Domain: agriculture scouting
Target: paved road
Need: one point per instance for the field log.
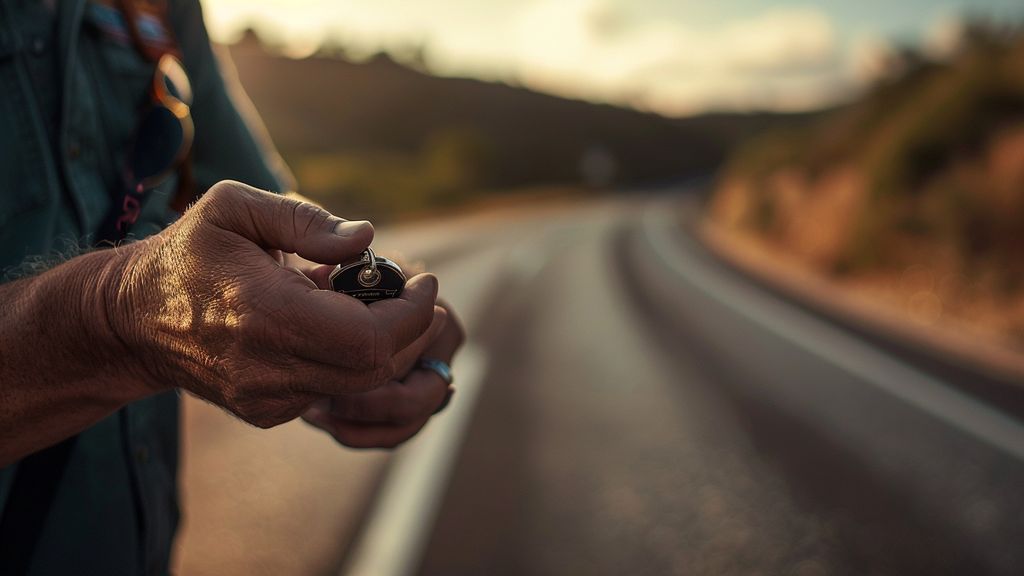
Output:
(626, 406)
(646, 412)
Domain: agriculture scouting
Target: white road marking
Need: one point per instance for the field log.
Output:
(394, 539)
(395, 536)
(836, 347)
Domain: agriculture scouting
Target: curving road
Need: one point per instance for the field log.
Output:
(629, 405)
(646, 411)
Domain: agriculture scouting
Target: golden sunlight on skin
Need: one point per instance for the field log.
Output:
(183, 314)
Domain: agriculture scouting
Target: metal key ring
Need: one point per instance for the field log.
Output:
(369, 276)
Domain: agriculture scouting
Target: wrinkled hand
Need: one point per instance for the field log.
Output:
(207, 307)
(395, 412)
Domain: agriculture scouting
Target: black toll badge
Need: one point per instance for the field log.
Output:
(370, 279)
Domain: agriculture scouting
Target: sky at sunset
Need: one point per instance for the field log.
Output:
(675, 57)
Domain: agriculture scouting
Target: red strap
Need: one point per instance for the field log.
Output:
(156, 9)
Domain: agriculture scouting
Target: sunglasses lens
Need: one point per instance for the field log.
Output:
(157, 145)
(175, 80)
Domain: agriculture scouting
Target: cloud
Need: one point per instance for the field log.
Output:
(586, 48)
(604, 50)
(569, 33)
(793, 39)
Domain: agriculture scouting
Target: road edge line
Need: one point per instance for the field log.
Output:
(870, 364)
(393, 541)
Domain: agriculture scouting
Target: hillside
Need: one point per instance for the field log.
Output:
(914, 194)
(379, 136)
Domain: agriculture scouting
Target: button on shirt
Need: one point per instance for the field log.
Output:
(72, 93)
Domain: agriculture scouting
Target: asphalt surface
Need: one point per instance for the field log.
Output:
(646, 411)
(627, 405)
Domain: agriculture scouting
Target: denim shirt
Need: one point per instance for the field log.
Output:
(70, 97)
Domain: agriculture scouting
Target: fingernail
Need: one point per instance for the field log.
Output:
(351, 228)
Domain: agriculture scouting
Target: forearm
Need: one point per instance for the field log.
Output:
(61, 366)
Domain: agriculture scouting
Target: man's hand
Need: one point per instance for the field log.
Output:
(206, 306)
(395, 412)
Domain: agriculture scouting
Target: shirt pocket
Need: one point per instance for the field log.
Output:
(25, 173)
(132, 72)
(123, 78)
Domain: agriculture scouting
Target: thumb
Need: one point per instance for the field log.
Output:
(274, 222)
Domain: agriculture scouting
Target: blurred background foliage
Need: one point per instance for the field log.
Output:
(925, 170)
(378, 138)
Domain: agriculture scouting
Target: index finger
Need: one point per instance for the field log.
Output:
(408, 317)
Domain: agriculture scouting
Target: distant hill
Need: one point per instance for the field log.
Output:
(379, 134)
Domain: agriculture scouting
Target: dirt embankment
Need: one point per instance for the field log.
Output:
(909, 200)
(815, 223)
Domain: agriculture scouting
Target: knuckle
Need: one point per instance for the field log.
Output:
(221, 201)
(222, 192)
(215, 193)
(308, 218)
(257, 395)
